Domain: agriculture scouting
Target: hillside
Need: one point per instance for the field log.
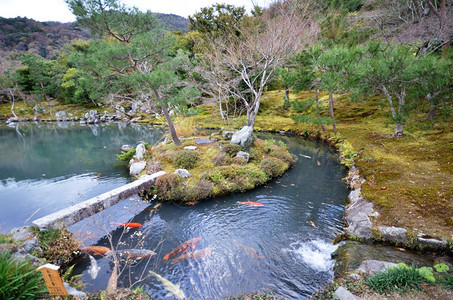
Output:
(44, 38)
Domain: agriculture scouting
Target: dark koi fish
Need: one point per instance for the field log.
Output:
(137, 253)
(198, 254)
(249, 250)
(128, 225)
(252, 203)
(183, 247)
(96, 250)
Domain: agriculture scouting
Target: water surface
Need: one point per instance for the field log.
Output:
(46, 167)
(291, 234)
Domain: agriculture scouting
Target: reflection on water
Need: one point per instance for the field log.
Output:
(290, 235)
(47, 167)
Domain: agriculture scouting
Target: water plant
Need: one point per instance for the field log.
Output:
(400, 278)
(19, 280)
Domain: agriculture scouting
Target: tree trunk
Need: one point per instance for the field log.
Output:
(13, 100)
(398, 129)
(432, 113)
(173, 134)
(317, 109)
(331, 111)
(252, 111)
(286, 102)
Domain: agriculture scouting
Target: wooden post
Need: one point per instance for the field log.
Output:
(53, 280)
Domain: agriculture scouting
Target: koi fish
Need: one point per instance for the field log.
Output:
(138, 253)
(183, 247)
(252, 203)
(312, 224)
(173, 289)
(96, 250)
(249, 250)
(128, 225)
(193, 255)
(112, 284)
(94, 269)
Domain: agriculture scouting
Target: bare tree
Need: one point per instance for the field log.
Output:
(441, 13)
(249, 60)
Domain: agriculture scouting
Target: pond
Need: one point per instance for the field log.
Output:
(46, 167)
(282, 246)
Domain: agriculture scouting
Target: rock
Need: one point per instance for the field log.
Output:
(244, 155)
(139, 151)
(227, 134)
(36, 119)
(21, 233)
(12, 120)
(360, 225)
(243, 137)
(20, 257)
(432, 242)
(74, 292)
(203, 141)
(7, 247)
(393, 234)
(136, 168)
(30, 245)
(190, 147)
(354, 196)
(126, 147)
(61, 116)
(372, 266)
(344, 294)
(183, 173)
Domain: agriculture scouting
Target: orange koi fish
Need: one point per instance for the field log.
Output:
(96, 250)
(249, 250)
(198, 254)
(128, 225)
(183, 247)
(252, 203)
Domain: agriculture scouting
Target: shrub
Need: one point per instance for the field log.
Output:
(447, 281)
(19, 280)
(231, 149)
(203, 190)
(222, 159)
(273, 166)
(186, 159)
(215, 176)
(126, 155)
(153, 166)
(401, 279)
(287, 157)
(58, 245)
(239, 161)
(169, 187)
(254, 174)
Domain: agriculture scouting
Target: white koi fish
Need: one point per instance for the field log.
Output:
(94, 269)
(173, 289)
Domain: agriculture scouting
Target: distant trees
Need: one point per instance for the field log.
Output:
(137, 53)
(249, 57)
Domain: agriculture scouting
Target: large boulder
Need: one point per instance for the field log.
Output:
(140, 151)
(137, 167)
(183, 173)
(243, 137)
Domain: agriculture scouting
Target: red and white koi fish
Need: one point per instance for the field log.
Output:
(252, 203)
(96, 250)
(128, 225)
(198, 254)
(183, 247)
(249, 250)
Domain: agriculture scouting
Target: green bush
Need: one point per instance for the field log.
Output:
(231, 149)
(19, 280)
(186, 159)
(287, 157)
(203, 190)
(239, 161)
(447, 281)
(401, 279)
(222, 159)
(169, 187)
(273, 166)
(58, 245)
(126, 155)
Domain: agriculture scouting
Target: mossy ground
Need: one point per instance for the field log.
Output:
(408, 179)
